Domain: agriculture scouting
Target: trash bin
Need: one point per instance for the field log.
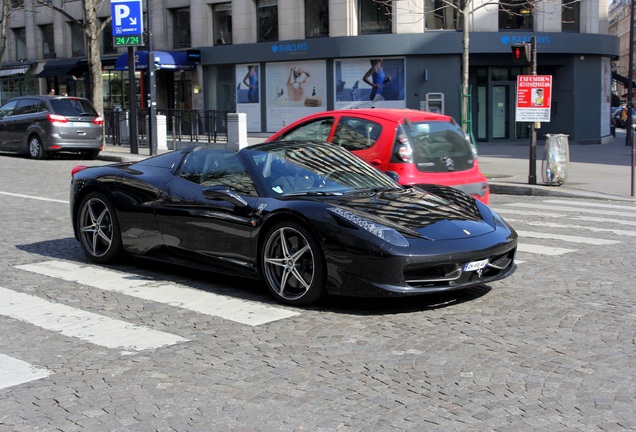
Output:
(556, 160)
(121, 117)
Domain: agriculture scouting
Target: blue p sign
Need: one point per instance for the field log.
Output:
(127, 17)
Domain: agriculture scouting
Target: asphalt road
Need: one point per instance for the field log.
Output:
(147, 347)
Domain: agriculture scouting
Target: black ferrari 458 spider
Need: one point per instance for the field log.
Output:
(307, 218)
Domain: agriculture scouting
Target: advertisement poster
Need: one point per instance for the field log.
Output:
(533, 98)
(294, 90)
(370, 82)
(247, 95)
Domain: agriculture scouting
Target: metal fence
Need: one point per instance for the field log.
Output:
(205, 126)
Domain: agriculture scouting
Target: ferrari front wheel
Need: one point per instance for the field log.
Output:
(98, 230)
(292, 264)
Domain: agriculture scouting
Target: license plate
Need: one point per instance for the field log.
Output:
(476, 265)
(80, 124)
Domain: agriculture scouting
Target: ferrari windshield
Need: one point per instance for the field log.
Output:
(310, 167)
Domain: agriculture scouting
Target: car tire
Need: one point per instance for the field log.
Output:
(292, 264)
(36, 149)
(90, 154)
(98, 229)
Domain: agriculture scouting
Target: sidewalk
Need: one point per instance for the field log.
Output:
(600, 171)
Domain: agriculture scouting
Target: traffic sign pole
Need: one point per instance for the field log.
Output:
(532, 176)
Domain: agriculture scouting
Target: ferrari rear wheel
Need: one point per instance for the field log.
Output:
(292, 264)
(98, 229)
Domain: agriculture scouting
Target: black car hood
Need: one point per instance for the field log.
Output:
(435, 212)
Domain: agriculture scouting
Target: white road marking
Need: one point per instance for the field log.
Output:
(33, 197)
(238, 310)
(544, 224)
(87, 326)
(606, 220)
(14, 372)
(567, 238)
(556, 208)
(543, 250)
(592, 204)
(504, 210)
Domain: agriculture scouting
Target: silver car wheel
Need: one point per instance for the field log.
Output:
(292, 266)
(96, 228)
(36, 151)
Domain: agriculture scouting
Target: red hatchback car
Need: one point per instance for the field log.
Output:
(421, 147)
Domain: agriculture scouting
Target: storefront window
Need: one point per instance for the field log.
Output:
(515, 15)
(267, 20)
(440, 15)
(316, 18)
(375, 17)
(181, 28)
(20, 43)
(222, 24)
(48, 41)
(571, 15)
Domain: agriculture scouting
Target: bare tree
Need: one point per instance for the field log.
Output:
(92, 29)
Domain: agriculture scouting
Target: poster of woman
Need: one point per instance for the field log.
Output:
(294, 90)
(372, 82)
(248, 95)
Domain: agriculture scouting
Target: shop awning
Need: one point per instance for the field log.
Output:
(623, 80)
(173, 60)
(72, 66)
(14, 69)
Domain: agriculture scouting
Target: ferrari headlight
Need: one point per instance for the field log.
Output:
(385, 233)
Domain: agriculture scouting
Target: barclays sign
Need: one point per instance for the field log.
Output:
(510, 40)
(290, 48)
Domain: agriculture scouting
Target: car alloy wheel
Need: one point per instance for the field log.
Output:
(292, 264)
(98, 229)
(36, 150)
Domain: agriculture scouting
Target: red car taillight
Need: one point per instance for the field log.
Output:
(99, 120)
(403, 149)
(56, 118)
(77, 169)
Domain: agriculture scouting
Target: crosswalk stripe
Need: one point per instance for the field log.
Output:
(87, 326)
(238, 310)
(14, 371)
(557, 208)
(504, 210)
(543, 250)
(544, 224)
(568, 202)
(605, 220)
(567, 238)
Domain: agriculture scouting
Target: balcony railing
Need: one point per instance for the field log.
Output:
(202, 126)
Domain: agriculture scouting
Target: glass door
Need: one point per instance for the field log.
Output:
(500, 111)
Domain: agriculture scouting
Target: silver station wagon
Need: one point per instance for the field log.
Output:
(41, 126)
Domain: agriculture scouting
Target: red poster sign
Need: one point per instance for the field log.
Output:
(534, 94)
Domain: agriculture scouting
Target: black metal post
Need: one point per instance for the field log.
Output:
(630, 85)
(152, 103)
(132, 91)
(532, 177)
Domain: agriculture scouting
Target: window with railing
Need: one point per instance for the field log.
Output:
(181, 27)
(47, 33)
(222, 25)
(316, 18)
(441, 14)
(78, 42)
(267, 20)
(571, 16)
(374, 16)
(20, 43)
(515, 15)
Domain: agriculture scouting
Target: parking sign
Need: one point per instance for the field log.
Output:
(127, 22)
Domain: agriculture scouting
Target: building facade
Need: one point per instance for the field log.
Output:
(277, 60)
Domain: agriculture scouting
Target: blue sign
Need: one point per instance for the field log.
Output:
(127, 17)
